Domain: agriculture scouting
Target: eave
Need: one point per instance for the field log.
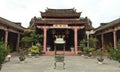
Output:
(37, 23)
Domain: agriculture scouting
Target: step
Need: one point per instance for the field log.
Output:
(68, 53)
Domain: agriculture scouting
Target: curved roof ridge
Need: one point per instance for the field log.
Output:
(60, 8)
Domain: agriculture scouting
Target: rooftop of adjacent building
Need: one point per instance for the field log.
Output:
(16, 25)
(107, 25)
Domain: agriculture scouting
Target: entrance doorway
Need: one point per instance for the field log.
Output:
(68, 37)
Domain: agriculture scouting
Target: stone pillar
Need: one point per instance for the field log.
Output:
(75, 39)
(115, 39)
(45, 39)
(18, 41)
(6, 36)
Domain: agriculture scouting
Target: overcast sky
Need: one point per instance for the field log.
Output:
(99, 11)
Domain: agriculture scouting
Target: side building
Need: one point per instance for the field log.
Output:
(108, 33)
(11, 33)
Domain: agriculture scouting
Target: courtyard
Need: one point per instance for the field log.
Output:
(72, 64)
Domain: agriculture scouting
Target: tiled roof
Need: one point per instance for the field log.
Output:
(107, 25)
(72, 10)
(61, 20)
(58, 21)
(61, 13)
(47, 20)
(10, 24)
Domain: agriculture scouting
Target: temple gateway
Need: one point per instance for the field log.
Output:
(61, 23)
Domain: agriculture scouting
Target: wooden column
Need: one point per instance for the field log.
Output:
(75, 39)
(115, 39)
(6, 36)
(45, 39)
(18, 41)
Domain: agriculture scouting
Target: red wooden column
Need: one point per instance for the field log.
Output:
(18, 41)
(75, 39)
(115, 39)
(6, 36)
(45, 39)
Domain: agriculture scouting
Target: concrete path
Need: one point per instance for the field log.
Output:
(73, 64)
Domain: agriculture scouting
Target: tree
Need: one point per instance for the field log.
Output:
(84, 45)
(92, 42)
(31, 38)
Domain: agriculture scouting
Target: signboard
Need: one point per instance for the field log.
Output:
(60, 25)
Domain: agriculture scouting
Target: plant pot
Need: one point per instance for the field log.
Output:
(29, 55)
(72, 49)
(22, 58)
(100, 60)
(48, 49)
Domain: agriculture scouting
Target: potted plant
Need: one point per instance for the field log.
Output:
(48, 48)
(100, 59)
(88, 46)
(4, 51)
(34, 50)
(22, 53)
(88, 51)
(72, 48)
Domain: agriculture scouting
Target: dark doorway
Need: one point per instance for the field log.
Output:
(68, 37)
(12, 40)
(2, 34)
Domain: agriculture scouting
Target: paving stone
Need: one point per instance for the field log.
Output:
(73, 64)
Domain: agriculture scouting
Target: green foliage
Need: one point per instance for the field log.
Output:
(88, 50)
(23, 52)
(91, 42)
(115, 53)
(30, 37)
(83, 43)
(26, 39)
(34, 49)
(28, 32)
(36, 38)
(4, 51)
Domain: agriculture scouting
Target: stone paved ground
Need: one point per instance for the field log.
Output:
(73, 64)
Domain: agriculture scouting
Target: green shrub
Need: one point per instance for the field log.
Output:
(115, 53)
(88, 45)
(23, 52)
(4, 51)
(87, 50)
(34, 49)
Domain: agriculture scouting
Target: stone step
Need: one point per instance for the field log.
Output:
(68, 53)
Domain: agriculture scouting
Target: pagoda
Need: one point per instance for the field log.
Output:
(65, 23)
